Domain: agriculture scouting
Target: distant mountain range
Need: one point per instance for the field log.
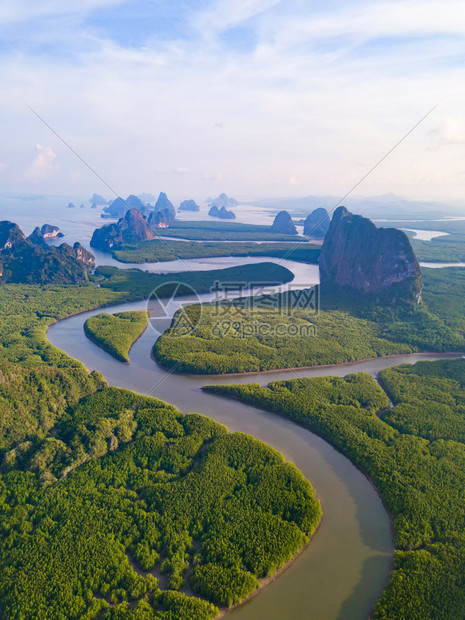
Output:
(390, 206)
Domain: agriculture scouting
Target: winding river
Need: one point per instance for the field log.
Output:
(341, 574)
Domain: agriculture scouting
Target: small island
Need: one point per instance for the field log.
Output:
(223, 213)
(283, 224)
(189, 205)
(116, 333)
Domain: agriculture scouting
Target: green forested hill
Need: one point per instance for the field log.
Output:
(415, 455)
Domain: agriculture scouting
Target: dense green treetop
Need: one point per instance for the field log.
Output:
(258, 335)
(143, 498)
(159, 250)
(415, 454)
(116, 333)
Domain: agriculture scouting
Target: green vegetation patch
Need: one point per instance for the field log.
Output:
(158, 250)
(234, 340)
(116, 333)
(415, 455)
(279, 332)
(443, 249)
(140, 284)
(228, 231)
(145, 497)
(111, 502)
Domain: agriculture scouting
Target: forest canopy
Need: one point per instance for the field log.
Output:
(116, 333)
(414, 453)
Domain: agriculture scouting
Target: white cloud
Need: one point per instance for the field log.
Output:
(223, 14)
(12, 11)
(43, 165)
(319, 99)
(450, 132)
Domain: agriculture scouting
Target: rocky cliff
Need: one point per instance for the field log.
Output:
(317, 223)
(131, 228)
(32, 261)
(118, 207)
(37, 238)
(283, 224)
(164, 204)
(358, 256)
(39, 235)
(50, 232)
(160, 219)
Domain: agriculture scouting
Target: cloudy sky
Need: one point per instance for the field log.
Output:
(252, 97)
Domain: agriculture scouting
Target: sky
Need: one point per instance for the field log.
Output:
(256, 98)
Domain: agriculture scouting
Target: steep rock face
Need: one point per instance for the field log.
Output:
(159, 219)
(117, 209)
(134, 202)
(81, 254)
(317, 223)
(359, 256)
(39, 235)
(163, 204)
(37, 238)
(51, 232)
(131, 228)
(10, 235)
(32, 261)
(189, 205)
(222, 213)
(283, 224)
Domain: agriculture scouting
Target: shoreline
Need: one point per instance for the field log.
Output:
(314, 367)
(93, 339)
(263, 581)
(354, 463)
(266, 581)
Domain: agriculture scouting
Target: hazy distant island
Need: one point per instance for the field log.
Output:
(222, 201)
(189, 205)
(283, 224)
(117, 209)
(316, 224)
(222, 213)
(97, 200)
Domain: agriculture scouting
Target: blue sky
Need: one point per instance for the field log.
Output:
(252, 97)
